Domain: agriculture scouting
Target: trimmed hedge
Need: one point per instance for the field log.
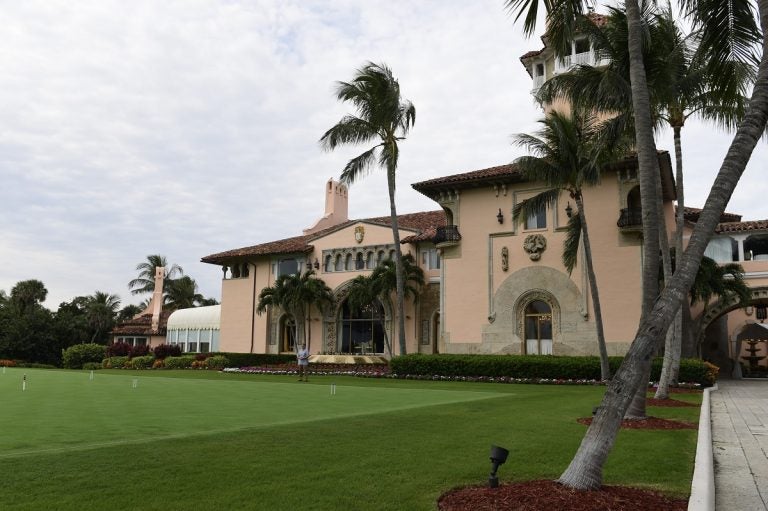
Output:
(257, 359)
(182, 362)
(144, 362)
(92, 366)
(217, 362)
(114, 362)
(75, 356)
(535, 366)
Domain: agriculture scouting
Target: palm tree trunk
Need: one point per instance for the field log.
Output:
(398, 262)
(298, 319)
(309, 325)
(674, 343)
(585, 470)
(605, 368)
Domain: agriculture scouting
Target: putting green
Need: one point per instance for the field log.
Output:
(66, 410)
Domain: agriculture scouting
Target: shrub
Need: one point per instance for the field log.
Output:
(158, 364)
(257, 359)
(139, 351)
(35, 365)
(75, 356)
(114, 362)
(118, 349)
(182, 362)
(203, 356)
(217, 362)
(198, 364)
(166, 350)
(534, 366)
(7, 363)
(144, 362)
(92, 366)
(128, 364)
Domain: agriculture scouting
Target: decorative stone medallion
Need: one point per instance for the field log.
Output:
(504, 259)
(359, 233)
(534, 245)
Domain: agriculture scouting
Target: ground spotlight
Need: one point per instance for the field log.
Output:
(498, 457)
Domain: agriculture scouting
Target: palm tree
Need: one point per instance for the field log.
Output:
(100, 312)
(723, 281)
(182, 293)
(383, 116)
(27, 294)
(567, 157)
(379, 286)
(296, 294)
(727, 31)
(682, 85)
(145, 282)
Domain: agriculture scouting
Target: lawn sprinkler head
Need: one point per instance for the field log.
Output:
(498, 458)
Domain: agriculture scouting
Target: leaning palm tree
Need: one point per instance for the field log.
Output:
(682, 85)
(568, 155)
(296, 294)
(145, 282)
(101, 310)
(730, 30)
(382, 116)
(182, 293)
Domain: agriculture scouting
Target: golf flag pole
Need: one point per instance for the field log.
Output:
(24, 383)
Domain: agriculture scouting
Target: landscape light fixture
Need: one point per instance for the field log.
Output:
(569, 210)
(498, 458)
(500, 217)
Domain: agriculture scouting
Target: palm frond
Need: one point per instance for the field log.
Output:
(359, 166)
(349, 130)
(533, 205)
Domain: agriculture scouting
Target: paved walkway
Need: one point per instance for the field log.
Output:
(739, 410)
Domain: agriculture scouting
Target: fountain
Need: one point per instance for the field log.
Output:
(753, 359)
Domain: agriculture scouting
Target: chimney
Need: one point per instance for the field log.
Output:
(336, 207)
(156, 303)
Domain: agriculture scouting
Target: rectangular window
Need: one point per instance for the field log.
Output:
(205, 347)
(582, 45)
(539, 69)
(287, 267)
(430, 259)
(537, 219)
(192, 347)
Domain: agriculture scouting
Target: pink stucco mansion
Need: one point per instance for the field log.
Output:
(493, 286)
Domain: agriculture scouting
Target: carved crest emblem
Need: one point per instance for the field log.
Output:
(359, 233)
(534, 245)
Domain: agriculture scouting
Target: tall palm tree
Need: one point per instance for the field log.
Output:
(382, 116)
(682, 84)
(100, 310)
(729, 30)
(28, 294)
(182, 293)
(296, 294)
(567, 157)
(145, 282)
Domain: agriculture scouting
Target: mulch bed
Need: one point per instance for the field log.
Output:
(649, 423)
(550, 495)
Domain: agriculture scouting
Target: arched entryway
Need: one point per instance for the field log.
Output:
(361, 328)
(436, 332)
(287, 329)
(538, 328)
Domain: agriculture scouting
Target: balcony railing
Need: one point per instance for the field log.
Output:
(447, 234)
(630, 217)
(538, 81)
(588, 57)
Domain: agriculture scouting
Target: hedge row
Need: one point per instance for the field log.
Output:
(149, 362)
(257, 359)
(536, 366)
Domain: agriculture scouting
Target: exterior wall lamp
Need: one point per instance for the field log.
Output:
(317, 264)
(500, 217)
(569, 210)
(498, 458)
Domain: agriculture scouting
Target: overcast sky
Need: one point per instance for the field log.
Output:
(187, 128)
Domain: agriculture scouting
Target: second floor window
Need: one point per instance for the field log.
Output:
(537, 219)
(430, 259)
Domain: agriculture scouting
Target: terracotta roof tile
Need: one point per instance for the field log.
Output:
(142, 325)
(500, 173)
(692, 215)
(751, 225)
(418, 222)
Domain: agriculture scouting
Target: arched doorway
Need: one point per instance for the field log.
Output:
(287, 333)
(436, 332)
(538, 328)
(361, 329)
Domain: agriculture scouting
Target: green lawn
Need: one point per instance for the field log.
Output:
(204, 440)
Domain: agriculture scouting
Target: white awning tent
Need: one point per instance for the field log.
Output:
(196, 318)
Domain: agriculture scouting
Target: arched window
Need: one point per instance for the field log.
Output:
(391, 255)
(369, 261)
(359, 262)
(361, 329)
(755, 248)
(328, 263)
(633, 198)
(348, 262)
(538, 328)
(380, 257)
(244, 272)
(339, 263)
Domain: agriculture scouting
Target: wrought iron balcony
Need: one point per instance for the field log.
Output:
(630, 219)
(447, 235)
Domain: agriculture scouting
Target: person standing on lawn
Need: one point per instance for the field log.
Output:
(302, 356)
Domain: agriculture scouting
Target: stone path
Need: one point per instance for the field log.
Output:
(739, 411)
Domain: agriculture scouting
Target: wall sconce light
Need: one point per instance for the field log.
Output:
(569, 210)
(498, 458)
(317, 264)
(500, 217)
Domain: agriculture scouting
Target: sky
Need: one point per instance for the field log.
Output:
(187, 128)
